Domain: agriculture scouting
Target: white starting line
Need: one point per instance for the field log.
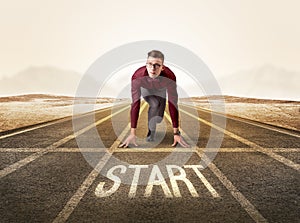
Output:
(147, 150)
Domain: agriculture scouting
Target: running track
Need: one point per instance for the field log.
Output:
(254, 176)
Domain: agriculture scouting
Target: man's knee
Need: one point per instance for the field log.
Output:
(159, 119)
(153, 103)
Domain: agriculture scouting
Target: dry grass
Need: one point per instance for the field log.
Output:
(280, 113)
(24, 110)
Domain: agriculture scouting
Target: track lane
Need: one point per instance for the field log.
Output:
(15, 166)
(251, 144)
(75, 199)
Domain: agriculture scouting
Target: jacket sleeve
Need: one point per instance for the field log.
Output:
(136, 101)
(173, 102)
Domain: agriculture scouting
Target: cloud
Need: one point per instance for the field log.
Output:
(50, 80)
(266, 81)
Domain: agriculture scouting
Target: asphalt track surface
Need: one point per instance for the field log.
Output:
(254, 176)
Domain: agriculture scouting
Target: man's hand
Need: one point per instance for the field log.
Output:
(179, 139)
(130, 139)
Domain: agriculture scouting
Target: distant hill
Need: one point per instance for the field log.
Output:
(49, 80)
(32, 97)
(266, 82)
(263, 82)
(58, 98)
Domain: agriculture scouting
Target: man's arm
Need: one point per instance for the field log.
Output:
(174, 113)
(134, 112)
(173, 102)
(136, 102)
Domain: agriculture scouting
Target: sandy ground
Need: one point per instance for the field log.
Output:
(19, 111)
(275, 112)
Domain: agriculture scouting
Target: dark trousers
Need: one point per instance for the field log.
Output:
(157, 103)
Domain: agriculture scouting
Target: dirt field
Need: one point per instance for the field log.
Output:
(19, 111)
(275, 112)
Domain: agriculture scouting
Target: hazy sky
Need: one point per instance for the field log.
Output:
(228, 35)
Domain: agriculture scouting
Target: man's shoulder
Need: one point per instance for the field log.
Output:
(139, 72)
(167, 72)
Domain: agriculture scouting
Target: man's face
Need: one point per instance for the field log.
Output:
(154, 66)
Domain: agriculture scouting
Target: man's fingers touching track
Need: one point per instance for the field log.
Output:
(181, 142)
(184, 144)
(121, 145)
(126, 143)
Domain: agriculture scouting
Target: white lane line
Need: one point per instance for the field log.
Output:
(47, 124)
(243, 201)
(210, 188)
(13, 167)
(35, 127)
(251, 122)
(53, 150)
(56, 150)
(75, 199)
(155, 150)
(275, 156)
(206, 150)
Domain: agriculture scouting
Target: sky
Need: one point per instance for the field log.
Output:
(228, 35)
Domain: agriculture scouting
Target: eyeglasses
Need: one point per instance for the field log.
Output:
(155, 66)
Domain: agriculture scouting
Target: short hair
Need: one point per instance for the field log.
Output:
(156, 54)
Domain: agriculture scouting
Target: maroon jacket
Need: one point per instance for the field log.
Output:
(166, 79)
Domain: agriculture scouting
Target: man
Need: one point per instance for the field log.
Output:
(152, 82)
